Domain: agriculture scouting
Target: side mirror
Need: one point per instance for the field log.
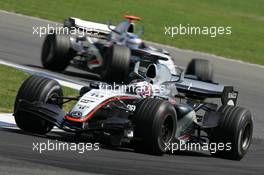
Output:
(109, 24)
(182, 74)
(136, 68)
(136, 71)
(177, 78)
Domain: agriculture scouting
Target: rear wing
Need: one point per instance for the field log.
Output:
(202, 89)
(87, 25)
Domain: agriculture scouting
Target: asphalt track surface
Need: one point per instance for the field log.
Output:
(19, 45)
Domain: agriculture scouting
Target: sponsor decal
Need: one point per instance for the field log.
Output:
(76, 114)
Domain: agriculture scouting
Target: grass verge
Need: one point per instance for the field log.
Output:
(245, 17)
(10, 81)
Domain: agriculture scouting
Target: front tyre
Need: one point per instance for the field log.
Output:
(155, 122)
(56, 52)
(235, 129)
(39, 89)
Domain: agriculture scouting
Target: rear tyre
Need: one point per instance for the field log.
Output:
(155, 122)
(69, 23)
(40, 89)
(117, 64)
(56, 52)
(200, 68)
(235, 129)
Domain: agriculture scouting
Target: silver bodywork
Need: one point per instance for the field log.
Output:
(163, 85)
(92, 99)
(122, 34)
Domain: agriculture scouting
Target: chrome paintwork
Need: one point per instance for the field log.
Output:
(122, 34)
(94, 98)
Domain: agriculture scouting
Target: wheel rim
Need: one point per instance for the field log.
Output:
(167, 129)
(246, 137)
(52, 100)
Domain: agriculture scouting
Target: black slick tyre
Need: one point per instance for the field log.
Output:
(155, 122)
(40, 89)
(201, 69)
(56, 52)
(116, 64)
(235, 130)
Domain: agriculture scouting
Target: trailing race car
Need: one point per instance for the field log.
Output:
(108, 50)
(155, 110)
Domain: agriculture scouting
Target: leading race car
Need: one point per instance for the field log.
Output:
(156, 110)
(108, 50)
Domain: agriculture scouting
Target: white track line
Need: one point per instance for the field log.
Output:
(33, 71)
(8, 121)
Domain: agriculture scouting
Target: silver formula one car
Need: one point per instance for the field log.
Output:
(154, 111)
(110, 51)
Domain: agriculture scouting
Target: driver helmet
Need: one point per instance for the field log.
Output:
(142, 88)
